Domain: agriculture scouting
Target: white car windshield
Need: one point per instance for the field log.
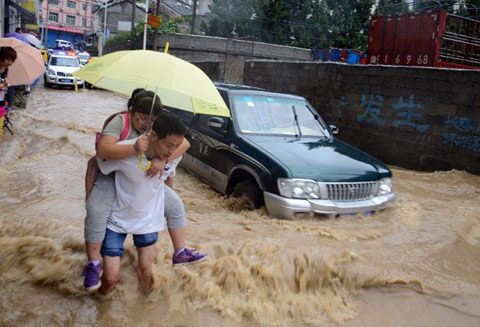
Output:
(84, 57)
(65, 62)
(276, 115)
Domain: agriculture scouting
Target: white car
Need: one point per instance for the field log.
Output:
(63, 44)
(84, 57)
(60, 70)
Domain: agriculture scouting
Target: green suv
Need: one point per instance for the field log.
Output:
(276, 150)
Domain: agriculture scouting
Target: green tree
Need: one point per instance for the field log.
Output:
(448, 5)
(349, 22)
(304, 23)
(388, 7)
(121, 40)
(471, 9)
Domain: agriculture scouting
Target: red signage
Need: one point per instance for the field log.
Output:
(66, 29)
(154, 21)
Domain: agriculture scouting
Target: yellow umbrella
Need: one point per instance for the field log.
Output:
(179, 83)
(29, 63)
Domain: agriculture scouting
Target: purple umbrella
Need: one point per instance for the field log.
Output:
(18, 36)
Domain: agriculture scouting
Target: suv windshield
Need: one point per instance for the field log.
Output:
(65, 62)
(276, 115)
(84, 57)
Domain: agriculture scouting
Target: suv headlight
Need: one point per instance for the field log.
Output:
(298, 188)
(51, 72)
(385, 186)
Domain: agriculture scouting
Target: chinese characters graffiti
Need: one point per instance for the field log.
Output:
(372, 109)
(463, 137)
(343, 104)
(409, 114)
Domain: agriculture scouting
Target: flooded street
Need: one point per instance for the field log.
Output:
(415, 264)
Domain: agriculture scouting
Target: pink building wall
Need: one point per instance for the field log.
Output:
(63, 11)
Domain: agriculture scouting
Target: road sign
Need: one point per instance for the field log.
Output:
(154, 21)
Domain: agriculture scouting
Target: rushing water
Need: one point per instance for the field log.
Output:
(415, 264)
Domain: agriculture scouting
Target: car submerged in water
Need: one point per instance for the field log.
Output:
(278, 152)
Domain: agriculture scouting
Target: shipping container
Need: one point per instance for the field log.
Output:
(431, 38)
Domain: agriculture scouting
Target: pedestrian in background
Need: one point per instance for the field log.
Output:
(7, 57)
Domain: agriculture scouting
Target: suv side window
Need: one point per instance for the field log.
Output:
(224, 95)
(186, 116)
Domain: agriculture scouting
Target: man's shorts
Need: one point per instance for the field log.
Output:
(112, 245)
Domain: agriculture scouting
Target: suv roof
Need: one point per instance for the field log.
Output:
(237, 87)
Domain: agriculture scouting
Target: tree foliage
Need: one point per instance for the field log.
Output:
(313, 23)
(388, 7)
(123, 37)
(304, 23)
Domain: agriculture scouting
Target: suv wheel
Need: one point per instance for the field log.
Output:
(250, 192)
(45, 82)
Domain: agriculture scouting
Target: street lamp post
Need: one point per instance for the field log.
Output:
(45, 29)
(145, 28)
(103, 5)
(105, 24)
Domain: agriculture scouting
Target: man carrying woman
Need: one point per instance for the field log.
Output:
(101, 196)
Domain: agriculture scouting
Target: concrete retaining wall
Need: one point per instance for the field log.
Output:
(232, 53)
(417, 118)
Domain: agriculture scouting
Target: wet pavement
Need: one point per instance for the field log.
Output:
(415, 264)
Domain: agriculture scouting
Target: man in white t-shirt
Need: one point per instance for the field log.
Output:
(139, 204)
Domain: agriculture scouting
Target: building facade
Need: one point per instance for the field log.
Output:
(68, 20)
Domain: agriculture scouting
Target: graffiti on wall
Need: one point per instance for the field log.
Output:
(459, 130)
(462, 135)
(407, 112)
(373, 106)
(408, 116)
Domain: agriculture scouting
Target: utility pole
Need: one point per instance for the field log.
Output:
(105, 22)
(85, 27)
(155, 38)
(193, 16)
(145, 26)
(2, 14)
(46, 24)
(132, 30)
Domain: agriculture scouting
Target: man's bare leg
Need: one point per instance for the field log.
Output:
(146, 255)
(111, 267)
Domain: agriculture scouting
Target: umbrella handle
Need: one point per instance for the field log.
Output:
(144, 164)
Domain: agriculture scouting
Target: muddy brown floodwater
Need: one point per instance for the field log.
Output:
(415, 264)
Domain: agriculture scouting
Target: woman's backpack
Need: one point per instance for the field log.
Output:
(92, 166)
(125, 130)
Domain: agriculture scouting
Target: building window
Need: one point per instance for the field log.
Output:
(84, 7)
(53, 2)
(71, 4)
(70, 20)
(53, 17)
(84, 22)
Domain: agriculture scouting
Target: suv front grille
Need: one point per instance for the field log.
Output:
(64, 74)
(351, 191)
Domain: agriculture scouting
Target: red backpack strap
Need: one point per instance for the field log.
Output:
(126, 126)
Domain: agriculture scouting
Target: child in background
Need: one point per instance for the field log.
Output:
(7, 57)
